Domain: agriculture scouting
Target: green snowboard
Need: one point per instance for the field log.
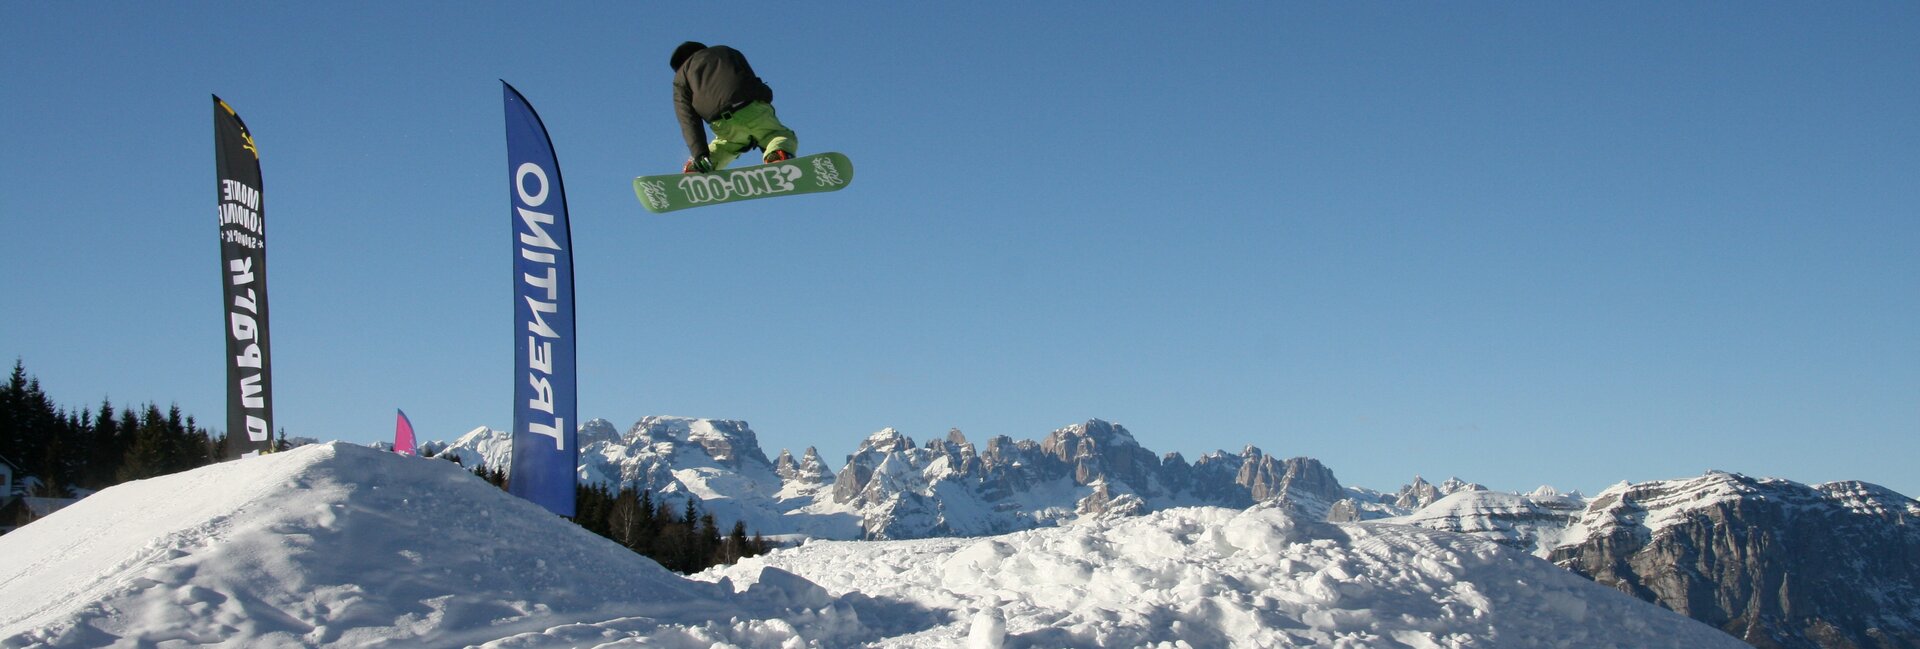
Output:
(820, 172)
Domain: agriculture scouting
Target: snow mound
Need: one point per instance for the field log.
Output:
(1212, 577)
(342, 545)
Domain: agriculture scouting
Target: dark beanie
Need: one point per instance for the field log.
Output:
(685, 51)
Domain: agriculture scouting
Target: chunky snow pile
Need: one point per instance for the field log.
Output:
(341, 545)
(1212, 577)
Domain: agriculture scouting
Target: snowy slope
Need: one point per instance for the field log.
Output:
(341, 545)
(1212, 577)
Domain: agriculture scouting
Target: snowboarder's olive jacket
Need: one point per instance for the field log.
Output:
(710, 85)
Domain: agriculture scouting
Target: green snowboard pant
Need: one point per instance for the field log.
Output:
(754, 125)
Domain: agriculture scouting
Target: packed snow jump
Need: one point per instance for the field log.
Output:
(715, 86)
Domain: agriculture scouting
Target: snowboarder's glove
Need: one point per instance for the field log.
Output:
(698, 164)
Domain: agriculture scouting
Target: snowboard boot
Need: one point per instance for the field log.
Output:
(776, 155)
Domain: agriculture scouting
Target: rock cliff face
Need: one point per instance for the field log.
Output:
(1772, 562)
(948, 486)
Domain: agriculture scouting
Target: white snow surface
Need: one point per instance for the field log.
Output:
(341, 545)
(1213, 577)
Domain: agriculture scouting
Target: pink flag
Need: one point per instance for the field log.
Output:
(403, 435)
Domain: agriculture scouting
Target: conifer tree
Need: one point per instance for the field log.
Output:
(103, 459)
(495, 477)
(12, 427)
(591, 507)
(80, 441)
(709, 542)
(29, 424)
(61, 449)
(692, 551)
(42, 431)
(149, 455)
(178, 450)
(736, 545)
(51, 468)
(199, 444)
(129, 435)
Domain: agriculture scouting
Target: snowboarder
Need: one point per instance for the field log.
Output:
(715, 85)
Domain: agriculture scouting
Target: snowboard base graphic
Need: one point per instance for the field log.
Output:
(820, 172)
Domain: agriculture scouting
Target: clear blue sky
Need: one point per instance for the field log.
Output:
(1521, 243)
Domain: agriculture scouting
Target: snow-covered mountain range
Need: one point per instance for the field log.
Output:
(1735, 552)
(893, 488)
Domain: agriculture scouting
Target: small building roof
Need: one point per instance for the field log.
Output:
(44, 506)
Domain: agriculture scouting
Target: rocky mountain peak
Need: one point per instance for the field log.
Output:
(808, 470)
(875, 451)
(887, 440)
(1100, 431)
(597, 430)
(728, 442)
(1417, 494)
(1421, 493)
(1098, 450)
